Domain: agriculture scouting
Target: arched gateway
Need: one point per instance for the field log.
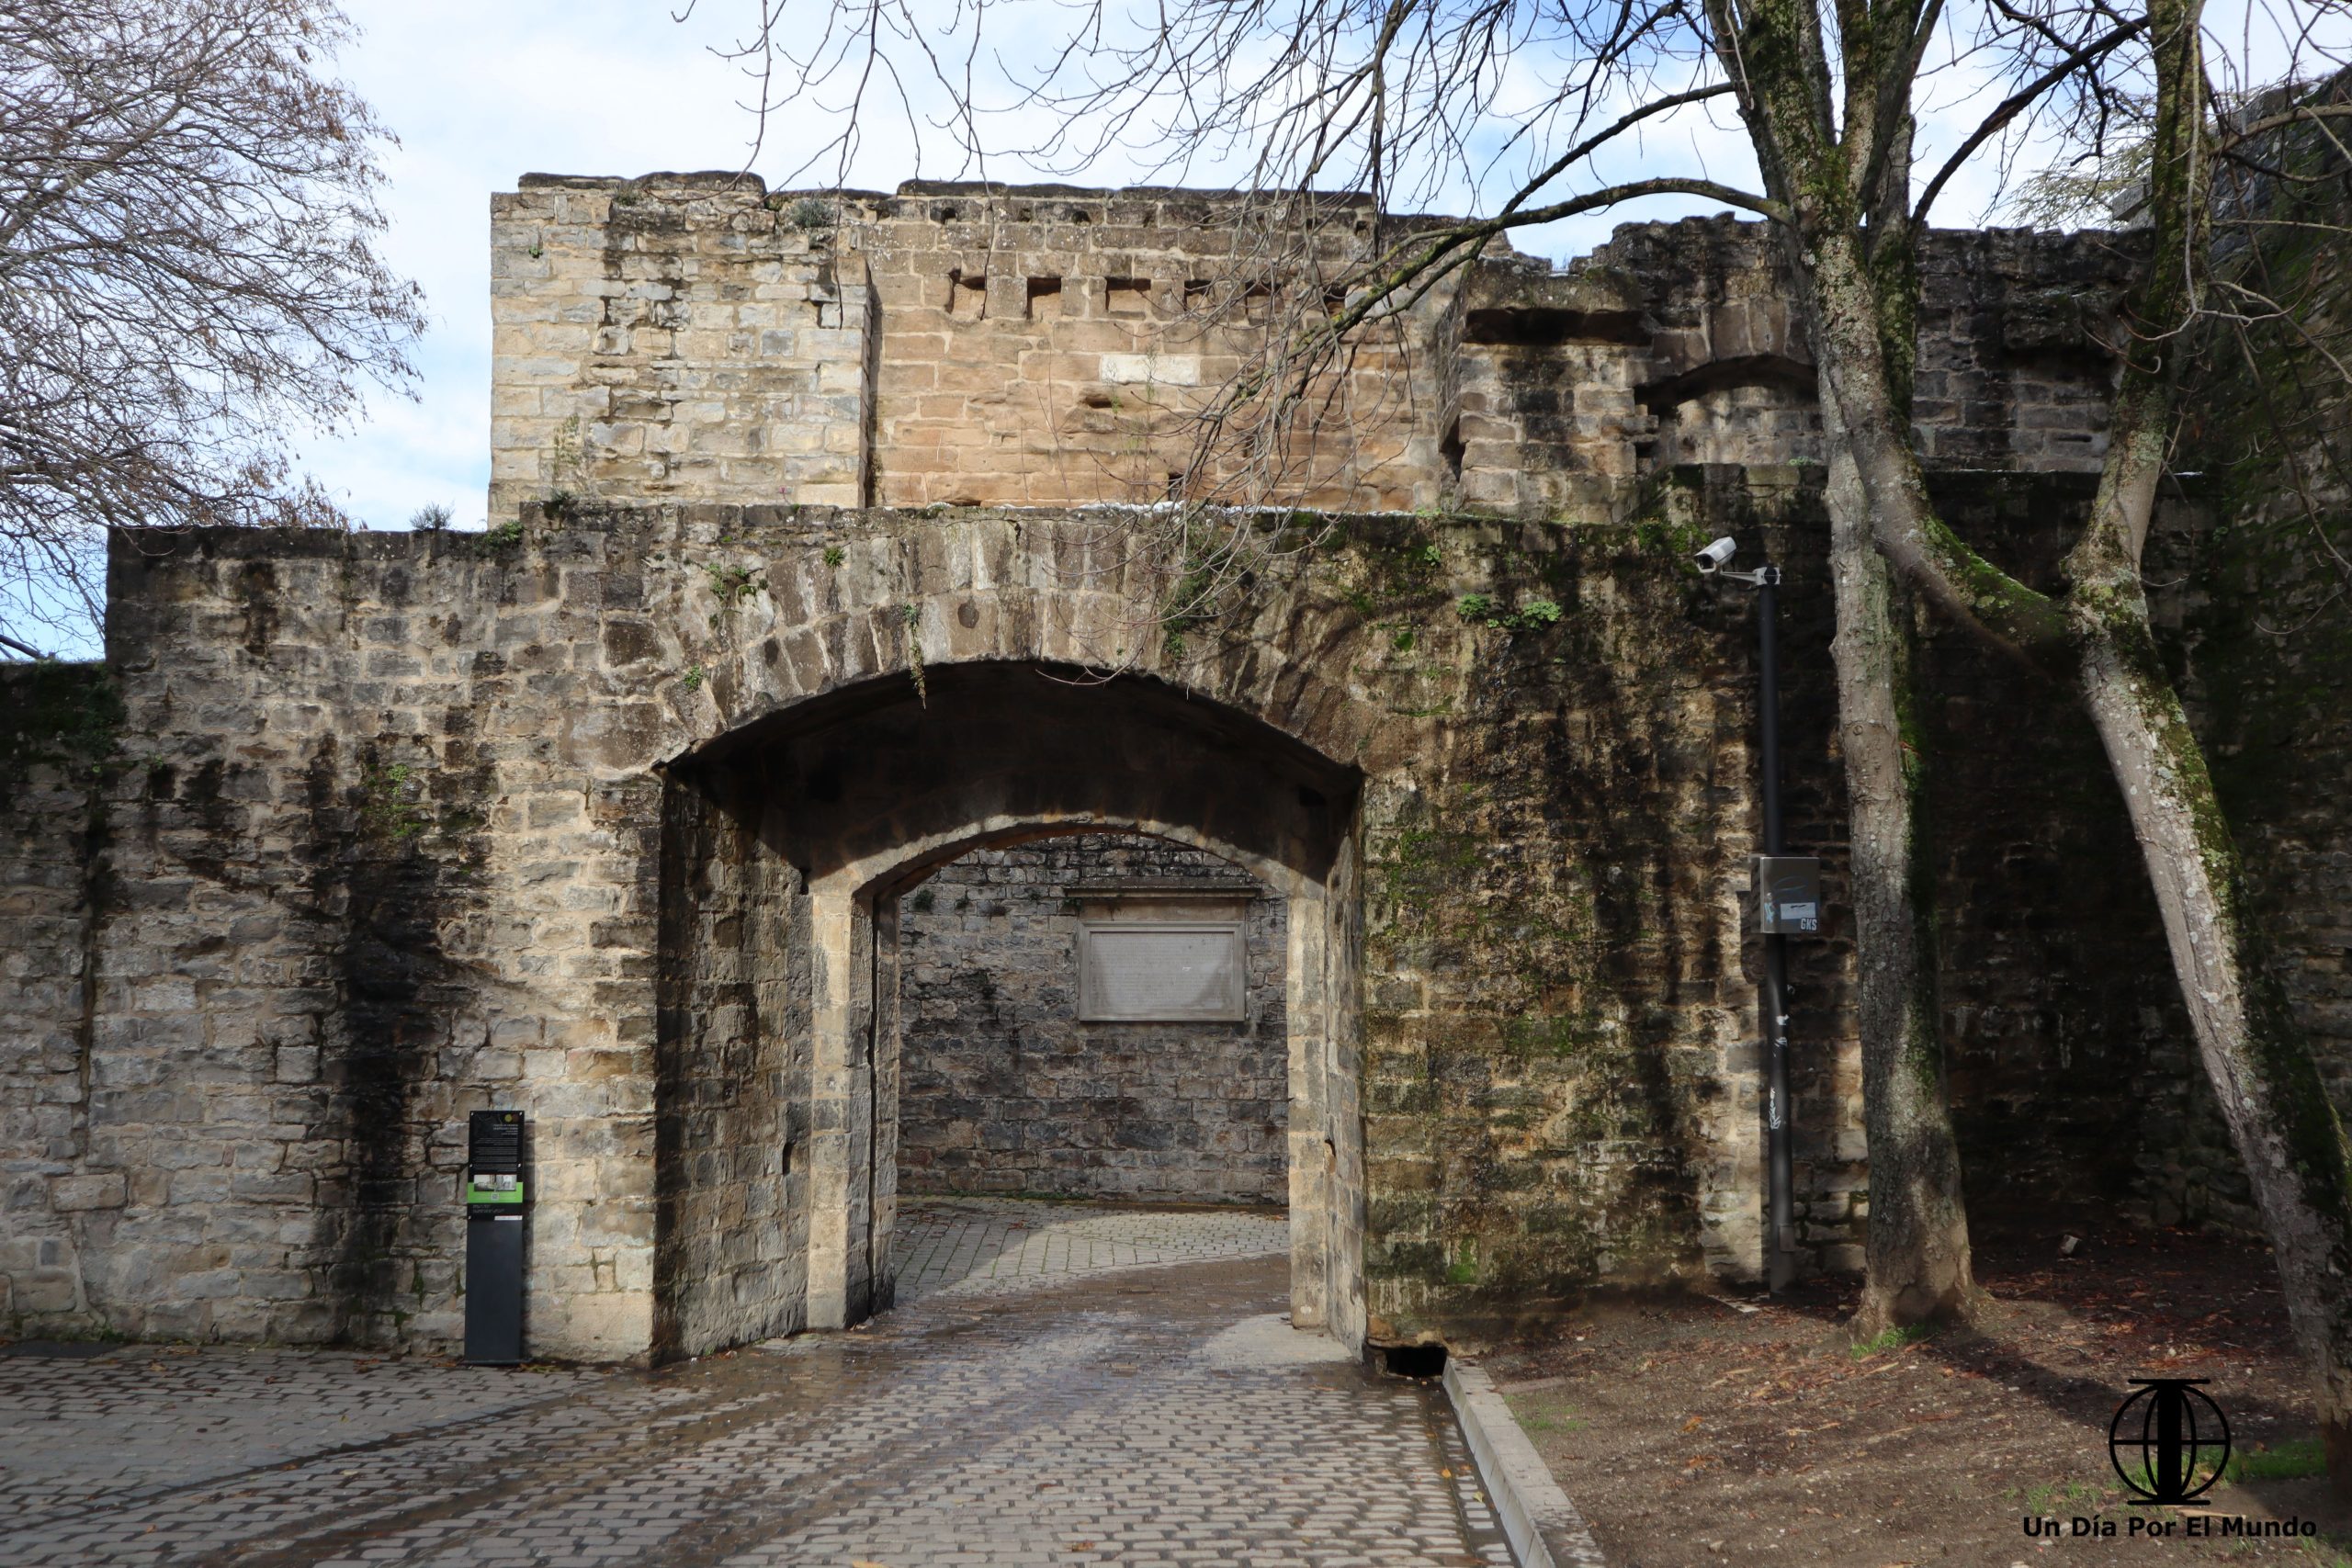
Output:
(598, 815)
(786, 841)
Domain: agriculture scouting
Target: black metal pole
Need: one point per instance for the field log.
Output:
(1767, 598)
(1779, 1239)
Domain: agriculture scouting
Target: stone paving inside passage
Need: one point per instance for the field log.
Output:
(1060, 1384)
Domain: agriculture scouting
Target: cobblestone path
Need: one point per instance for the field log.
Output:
(1147, 1415)
(972, 1247)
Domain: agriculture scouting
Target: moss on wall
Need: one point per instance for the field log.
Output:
(57, 713)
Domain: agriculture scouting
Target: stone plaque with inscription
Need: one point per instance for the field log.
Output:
(1159, 971)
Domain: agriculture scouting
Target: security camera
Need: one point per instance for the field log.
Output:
(1715, 556)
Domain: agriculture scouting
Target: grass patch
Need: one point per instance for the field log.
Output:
(1562, 1423)
(1892, 1339)
(2294, 1460)
(2061, 1496)
(1535, 1414)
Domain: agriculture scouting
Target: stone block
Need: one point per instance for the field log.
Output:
(75, 1194)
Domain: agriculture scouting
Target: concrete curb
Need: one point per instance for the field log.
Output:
(1543, 1527)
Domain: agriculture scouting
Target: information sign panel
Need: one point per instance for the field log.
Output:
(1159, 972)
(1788, 894)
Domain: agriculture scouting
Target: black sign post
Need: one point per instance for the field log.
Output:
(495, 1228)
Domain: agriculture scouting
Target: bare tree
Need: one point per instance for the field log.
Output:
(1525, 104)
(187, 212)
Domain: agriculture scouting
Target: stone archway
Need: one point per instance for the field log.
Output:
(785, 844)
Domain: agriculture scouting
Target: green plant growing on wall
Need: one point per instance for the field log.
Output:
(61, 713)
(693, 679)
(1211, 555)
(567, 480)
(389, 811)
(1532, 615)
(835, 554)
(812, 215)
(733, 584)
(1423, 865)
(505, 537)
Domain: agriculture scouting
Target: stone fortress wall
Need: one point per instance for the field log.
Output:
(698, 338)
(1002, 1088)
(352, 834)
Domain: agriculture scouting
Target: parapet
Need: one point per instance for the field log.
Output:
(697, 337)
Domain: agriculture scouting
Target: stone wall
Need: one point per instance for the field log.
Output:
(1004, 1089)
(732, 1086)
(2259, 629)
(2056, 986)
(699, 338)
(662, 350)
(379, 837)
(606, 815)
(59, 1216)
(694, 337)
(339, 890)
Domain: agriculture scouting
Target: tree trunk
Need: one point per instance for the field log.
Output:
(2263, 1073)
(2285, 1128)
(1916, 1251)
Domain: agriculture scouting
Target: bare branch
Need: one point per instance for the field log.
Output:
(188, 208)
(2018, 102)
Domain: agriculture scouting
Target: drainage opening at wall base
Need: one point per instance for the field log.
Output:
(1409, 1360)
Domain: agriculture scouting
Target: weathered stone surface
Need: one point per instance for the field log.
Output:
(679, 338)
(611, 814)
(1004, 1089)
(335, 910)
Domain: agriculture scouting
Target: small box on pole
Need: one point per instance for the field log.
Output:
(1788, 894)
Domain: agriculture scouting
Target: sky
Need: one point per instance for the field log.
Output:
(481, 92)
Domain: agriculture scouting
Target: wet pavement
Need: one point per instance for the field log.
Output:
(977, 1247)
(1130, 1415)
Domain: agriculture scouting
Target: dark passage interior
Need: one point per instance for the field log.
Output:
(1096, 1015)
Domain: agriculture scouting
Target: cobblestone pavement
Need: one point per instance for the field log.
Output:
(1156, 1415)
(990, 1247)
